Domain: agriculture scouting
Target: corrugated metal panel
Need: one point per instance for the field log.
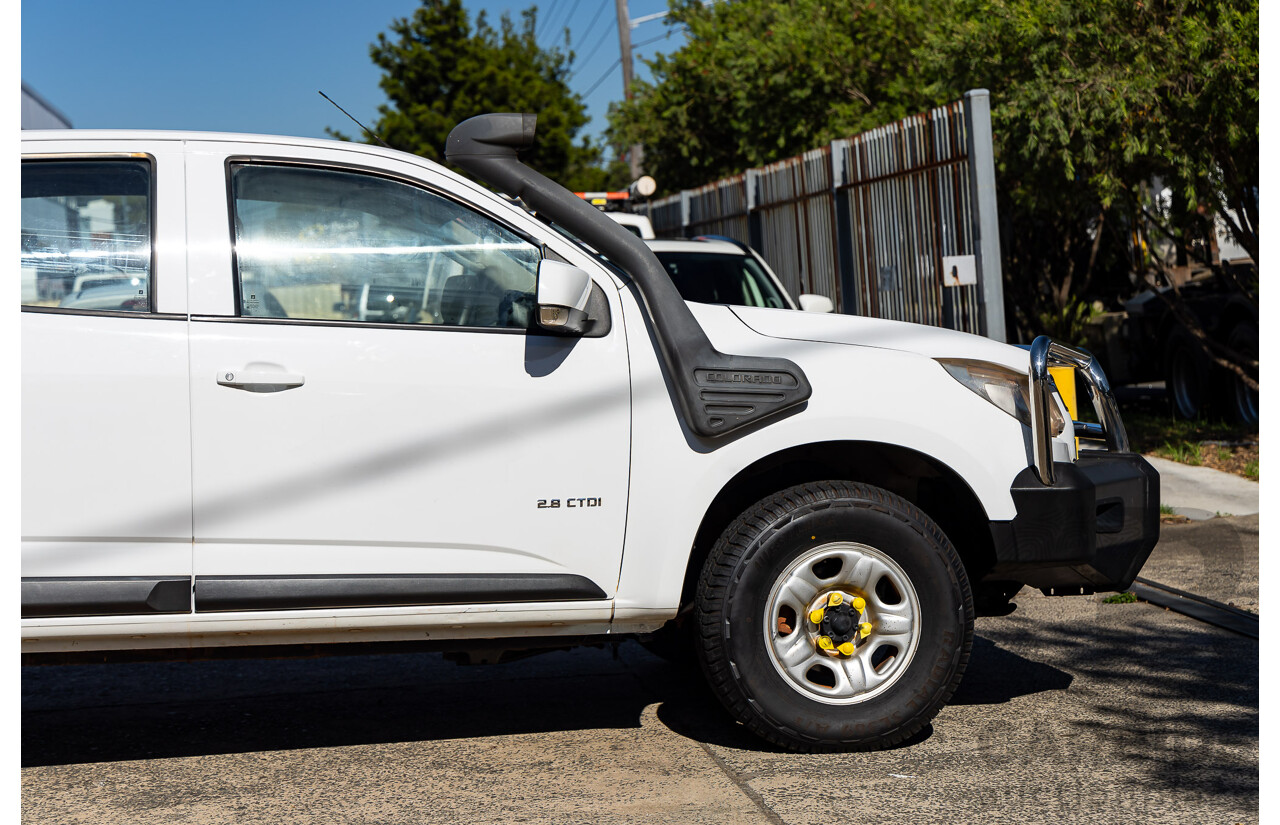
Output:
(665, 216)
(906, 198)
(910, 205)
(719, 208)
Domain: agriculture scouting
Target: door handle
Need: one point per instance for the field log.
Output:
(254, 380)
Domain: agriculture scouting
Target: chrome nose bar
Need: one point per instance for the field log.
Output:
(1044, 354)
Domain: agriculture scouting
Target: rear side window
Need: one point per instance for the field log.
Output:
(333, 245)
(86, 234)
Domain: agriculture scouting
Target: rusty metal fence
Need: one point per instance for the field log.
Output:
(898, 222)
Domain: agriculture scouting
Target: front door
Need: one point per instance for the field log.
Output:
(378, 424)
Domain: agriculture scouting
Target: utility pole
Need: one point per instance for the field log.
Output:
(635, 154)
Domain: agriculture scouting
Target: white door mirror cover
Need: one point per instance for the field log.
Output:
(563, 293)
(816, 303)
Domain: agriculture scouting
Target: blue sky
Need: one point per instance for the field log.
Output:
(242, 66)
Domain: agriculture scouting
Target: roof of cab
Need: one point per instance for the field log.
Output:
(62, 135)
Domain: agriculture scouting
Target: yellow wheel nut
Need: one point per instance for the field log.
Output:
(815, 616)
(846, 648)
(859, 603)
(864, 629)
(824, 642)
(835, 599)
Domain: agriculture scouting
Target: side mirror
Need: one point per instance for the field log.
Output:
(563, 292)
(816, 303)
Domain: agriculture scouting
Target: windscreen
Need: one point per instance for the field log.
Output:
(717, 278)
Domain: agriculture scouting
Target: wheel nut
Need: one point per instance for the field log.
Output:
(815, 616)
(824, 642)
(846, 648)
(835, 599)
(859, 603)
(865, 629)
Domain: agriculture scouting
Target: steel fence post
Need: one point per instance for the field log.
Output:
(986, 229)
(755, 229)
(842, 216)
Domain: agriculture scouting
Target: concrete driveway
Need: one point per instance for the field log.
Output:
(1072, 710)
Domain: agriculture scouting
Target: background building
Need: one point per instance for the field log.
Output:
(38, 113)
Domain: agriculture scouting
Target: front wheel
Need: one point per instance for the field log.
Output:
(834, 615)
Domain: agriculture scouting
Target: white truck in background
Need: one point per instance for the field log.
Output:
(638, 225)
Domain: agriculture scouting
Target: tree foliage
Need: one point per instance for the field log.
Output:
(1092, 101)
(763, 79)
(439, 69)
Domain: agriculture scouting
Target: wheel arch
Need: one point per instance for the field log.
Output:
(924, 481)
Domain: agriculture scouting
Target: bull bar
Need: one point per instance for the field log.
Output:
(1046, 353)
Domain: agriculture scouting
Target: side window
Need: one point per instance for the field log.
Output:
(86, 234)
(329, 245)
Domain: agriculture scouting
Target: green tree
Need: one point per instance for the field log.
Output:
(1112, 93)
(1092, 100)
(759, 80)
(440, 69)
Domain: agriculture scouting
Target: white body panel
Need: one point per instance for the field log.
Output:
(106, 471)
(417, 450)
(408, 451)
(924, 410)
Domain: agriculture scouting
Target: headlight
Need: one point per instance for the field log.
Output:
(1006, 388)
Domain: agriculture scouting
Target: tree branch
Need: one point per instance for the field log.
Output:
(1215, 351)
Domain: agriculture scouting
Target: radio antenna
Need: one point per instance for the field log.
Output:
(353, 120)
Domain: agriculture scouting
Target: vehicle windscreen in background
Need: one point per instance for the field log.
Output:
(714, 278)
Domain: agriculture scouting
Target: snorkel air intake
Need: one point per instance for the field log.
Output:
(717, 393)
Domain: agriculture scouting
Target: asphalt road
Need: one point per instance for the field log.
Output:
(1072, 710)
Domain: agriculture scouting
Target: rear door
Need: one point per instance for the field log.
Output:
(375, 424)
(106, 470)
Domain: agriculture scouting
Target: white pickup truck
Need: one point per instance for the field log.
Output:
(348, 399)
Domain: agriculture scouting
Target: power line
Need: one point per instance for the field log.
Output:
(599, 10)
(568, 17)
(603, 77)
(542, 22)
(617, 62)
(603, 36)
(635, 46)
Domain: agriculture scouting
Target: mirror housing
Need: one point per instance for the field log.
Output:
(816, 303)
(563, 293)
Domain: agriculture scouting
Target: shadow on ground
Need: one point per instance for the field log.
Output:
(107, 713)
(119, 712)
(1174, 698)
(996, 675)
(1144, 685)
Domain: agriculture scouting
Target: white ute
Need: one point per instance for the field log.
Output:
(333, 394)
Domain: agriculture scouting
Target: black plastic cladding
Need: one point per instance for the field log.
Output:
(717, 393)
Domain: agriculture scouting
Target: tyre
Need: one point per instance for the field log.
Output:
(1186, 375)
(1243, 400)
(834, 616)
